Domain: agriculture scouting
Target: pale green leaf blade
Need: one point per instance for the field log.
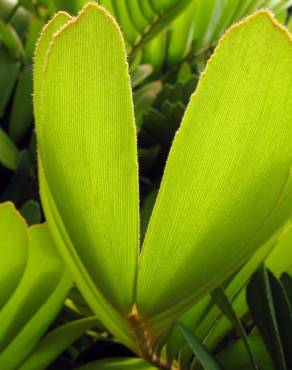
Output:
(97, 139)
(119, 364)
(14, 250)
(226, 185)
(54, 343)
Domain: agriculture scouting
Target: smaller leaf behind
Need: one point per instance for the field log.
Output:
(220, 298)
(201, 352)
(271, 311)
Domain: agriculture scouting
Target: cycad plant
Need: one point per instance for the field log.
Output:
(226, 188)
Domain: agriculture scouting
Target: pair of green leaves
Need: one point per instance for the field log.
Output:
(226, 187)
(34, 283)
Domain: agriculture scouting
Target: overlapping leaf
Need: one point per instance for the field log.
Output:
(100, 181)
(226, 185)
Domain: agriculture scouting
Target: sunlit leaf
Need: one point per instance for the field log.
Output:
(103, 245)
(210, 212)
(34, 283)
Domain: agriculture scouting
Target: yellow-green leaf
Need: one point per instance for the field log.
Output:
(226, 187)
(98, 234)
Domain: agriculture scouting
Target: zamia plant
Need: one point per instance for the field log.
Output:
(226, 188)
(34, 283)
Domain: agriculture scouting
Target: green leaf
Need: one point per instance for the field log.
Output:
(34, 283)
(283, 308)
(10, 39)
(21, 115)
(220, 298)
(201, 352)
(119, 364)
(103, 244)
(9, 68)
(31, 211)
(36, 301)
(14, 250)
(106, 190)
(287, 283)
(210, 213)
(54, 343)
(8, 151)
(271, 311)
